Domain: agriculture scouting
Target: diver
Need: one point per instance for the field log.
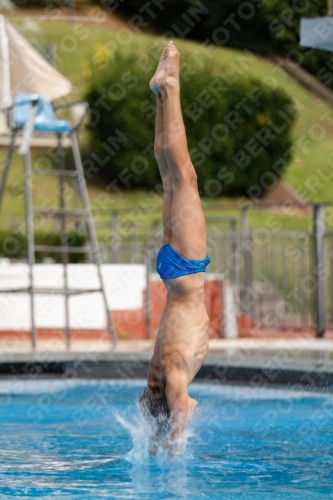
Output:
(182, 339)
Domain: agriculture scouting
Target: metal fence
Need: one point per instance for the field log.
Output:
(282, 280)
(329, 278)
(272, 276)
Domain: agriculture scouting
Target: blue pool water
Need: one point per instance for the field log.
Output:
(86, 440)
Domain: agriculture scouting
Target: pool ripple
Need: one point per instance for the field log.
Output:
(86, 440)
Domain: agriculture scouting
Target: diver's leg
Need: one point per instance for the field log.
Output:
(161, 160)
(188, 222)
(164, 171)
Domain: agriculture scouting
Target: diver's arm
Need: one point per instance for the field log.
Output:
(177, 398)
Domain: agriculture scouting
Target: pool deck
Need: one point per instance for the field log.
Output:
(303, 360)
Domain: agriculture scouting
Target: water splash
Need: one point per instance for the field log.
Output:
(145, 444)
(158, 473)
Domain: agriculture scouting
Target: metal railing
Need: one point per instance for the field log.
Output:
(283, 280)
(271, 275)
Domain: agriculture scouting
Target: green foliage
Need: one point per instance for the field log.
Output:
(267, 26)
(222, 117)
(13, 245)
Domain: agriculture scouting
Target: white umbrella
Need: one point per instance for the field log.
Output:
(23, 69)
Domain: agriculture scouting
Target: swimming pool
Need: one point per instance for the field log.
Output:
(85, 440)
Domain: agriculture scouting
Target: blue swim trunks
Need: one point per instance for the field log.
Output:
(170, 264)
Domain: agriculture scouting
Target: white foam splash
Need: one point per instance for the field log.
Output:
(145, 446)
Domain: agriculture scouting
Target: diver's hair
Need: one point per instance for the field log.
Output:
(154, 407)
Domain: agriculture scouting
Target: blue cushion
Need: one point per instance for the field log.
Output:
(45, 121)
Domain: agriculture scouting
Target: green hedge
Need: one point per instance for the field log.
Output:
(122, 128)
(13, 245)
(269, 26)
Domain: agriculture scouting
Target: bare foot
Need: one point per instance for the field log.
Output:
(153, 83)
(167, 72)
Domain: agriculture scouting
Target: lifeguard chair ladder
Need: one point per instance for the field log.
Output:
(33, 113)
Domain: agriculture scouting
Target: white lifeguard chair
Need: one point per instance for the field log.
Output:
(28, 86)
